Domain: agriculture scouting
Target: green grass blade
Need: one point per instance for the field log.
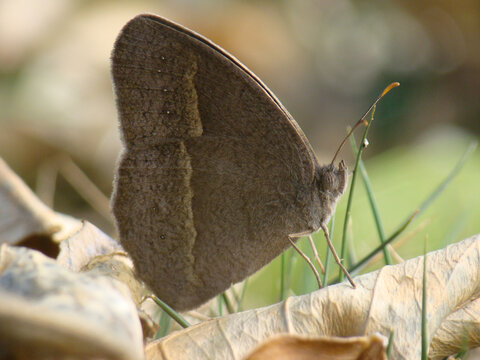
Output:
(287, 260)
(220, 303)
(235, 295)
(351, 256)
(283, 274)
(459, 223)
(373, 204)
(421, 208)
(228, 303)
(163, 325)
(242, 295)
(438, 190)
(379, 248)
(350, 195)
(328, 254)
(390, 344)
(170, 312)
(291, 256)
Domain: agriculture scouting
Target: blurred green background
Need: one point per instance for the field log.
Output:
(325, 60)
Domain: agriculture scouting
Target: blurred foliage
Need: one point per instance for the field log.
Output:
(325, 60)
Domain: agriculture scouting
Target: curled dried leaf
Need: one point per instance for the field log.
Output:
(23, 216)
(119, 267)
(85, 244)
(459, 331)
(49, 311)
(90, 250)
(289, 347)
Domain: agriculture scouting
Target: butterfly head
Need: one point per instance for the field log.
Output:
(331, 181)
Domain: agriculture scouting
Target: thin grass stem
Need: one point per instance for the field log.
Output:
(220, 302)
(283, 274)
(390, 344)
(373, 204)
(163, 325)
(84, 186)
(228, 303)
(170, 312)
(242, 295)
(350, 195)
(438, 190)
(379, 248)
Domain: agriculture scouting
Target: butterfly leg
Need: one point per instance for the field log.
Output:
(305, 257)
(337, 259)
(315, 254)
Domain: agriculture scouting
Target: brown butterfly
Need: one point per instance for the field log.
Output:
(216, 178)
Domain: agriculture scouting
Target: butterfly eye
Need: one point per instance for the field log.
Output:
(333, 181)
(328, 181)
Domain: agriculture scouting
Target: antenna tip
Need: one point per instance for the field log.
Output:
(389, 87)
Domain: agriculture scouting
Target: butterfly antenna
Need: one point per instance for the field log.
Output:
(362, 119)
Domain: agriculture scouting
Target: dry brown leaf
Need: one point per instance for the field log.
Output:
(23, 215)
(84, 245)
(47, 311)
(119, 267)
(24, 220)
(460, 330)
(386, 300)
(294, 347)
(90, 250)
